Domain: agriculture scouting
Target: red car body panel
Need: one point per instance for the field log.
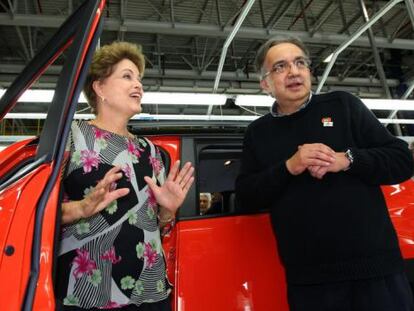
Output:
(18, 203)
(172, 145)
(229, 263)
(400, 203)
(16, 154)
(45, 298)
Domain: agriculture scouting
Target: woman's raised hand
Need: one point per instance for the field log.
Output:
(175, 188)
(103, 194)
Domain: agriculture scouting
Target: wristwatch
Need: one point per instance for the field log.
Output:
(350, 157)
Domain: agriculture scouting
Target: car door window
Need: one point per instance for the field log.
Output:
(217, 170)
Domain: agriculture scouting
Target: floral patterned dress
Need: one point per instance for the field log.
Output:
(115, 257)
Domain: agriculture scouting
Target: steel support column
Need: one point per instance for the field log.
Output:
(405, 96)
(410, 10)
(375, 52)
(229, 39)
(172, 13)
(358, 33)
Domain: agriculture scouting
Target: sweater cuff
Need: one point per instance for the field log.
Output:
(280, 174)
(361, 163)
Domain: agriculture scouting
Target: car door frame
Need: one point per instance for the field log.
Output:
(79, 34)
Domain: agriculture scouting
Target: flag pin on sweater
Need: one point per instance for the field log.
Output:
(327, 122)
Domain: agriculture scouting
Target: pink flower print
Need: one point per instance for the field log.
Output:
(152, 201)
(127, 171)
(134, 150)
(150, 255)
(111, 256)
(100, 134)
(111, 305)
(83, 263)
(156, 164)
(89, 159)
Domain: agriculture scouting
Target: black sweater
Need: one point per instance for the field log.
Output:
(337, 228)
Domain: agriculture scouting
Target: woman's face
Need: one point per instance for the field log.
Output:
(122, 90)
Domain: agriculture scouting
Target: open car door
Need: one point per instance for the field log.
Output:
(226, 259)
(30, 170)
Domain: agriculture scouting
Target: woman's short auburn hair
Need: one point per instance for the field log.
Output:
(104, 61)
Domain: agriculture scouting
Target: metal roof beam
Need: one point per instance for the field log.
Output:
(8, 71)
(245, 10)
(401, 24)
(350, 22)
(305, 19)
(343, 17)
(262, 16)
(202, 11)
(405, 96)
(353, 38)
(410, 10)
(274, 15)
(321, 20)
(377, 58)
(282, 15)
(186, 29)
(381, 21)
(159, 13)
(409, 90)
(172, 19)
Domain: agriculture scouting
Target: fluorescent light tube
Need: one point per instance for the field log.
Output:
(373, 104)
(141, 116)
(34, 96)
(389, 104)
(162, 98)
(254, 100)
(149, 98)
(202, 117)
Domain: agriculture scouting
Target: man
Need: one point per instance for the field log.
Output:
(205, 202)
(317, 161)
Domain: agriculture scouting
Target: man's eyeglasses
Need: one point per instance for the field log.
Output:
(300, 63)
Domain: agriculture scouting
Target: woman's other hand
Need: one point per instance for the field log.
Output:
(99, 198)
(174, 190)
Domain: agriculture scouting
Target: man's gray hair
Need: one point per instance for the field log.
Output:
(207, 195)
(262, 52)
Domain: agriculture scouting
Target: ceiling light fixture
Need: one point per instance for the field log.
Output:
(254, 100)
(181, 117)
(373, 104)
(141, 116)
(149, 98)
(161, 98)
(389, 104)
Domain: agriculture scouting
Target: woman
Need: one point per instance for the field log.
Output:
(111, 253)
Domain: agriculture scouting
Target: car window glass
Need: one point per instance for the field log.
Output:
(216, 174)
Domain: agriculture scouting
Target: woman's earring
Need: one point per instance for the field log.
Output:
(102, 99)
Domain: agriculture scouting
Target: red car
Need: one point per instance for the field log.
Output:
(217, 260)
